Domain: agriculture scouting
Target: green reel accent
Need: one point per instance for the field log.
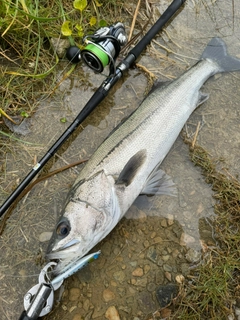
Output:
(101, 55)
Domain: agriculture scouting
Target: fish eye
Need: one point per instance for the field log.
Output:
(63, 229)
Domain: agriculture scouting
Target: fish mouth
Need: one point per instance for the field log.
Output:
(64, 252)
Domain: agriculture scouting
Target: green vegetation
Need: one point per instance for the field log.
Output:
(26, 52)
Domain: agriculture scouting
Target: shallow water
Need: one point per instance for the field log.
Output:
(138, 255)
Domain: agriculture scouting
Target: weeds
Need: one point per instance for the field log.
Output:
(212, 291)
(26, 54)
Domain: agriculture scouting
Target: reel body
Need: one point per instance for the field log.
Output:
(102, 48)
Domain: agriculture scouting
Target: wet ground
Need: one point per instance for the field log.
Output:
(139, 255)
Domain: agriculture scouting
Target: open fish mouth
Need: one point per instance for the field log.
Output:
(64, 252)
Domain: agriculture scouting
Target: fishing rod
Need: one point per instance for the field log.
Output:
(39, 299)
(94, 61)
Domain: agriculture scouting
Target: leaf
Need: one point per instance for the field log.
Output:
(80, 30)
(24, 114)
(65, 29)
(80, 4)
(63, 120)
(93, 21)
(102, 23)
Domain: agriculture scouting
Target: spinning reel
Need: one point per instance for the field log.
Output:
(101, 49)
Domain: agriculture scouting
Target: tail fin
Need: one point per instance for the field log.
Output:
(216, 50)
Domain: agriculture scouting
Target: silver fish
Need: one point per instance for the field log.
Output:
(127, 163)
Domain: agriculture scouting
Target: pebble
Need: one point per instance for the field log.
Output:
(164, 223)
(119, 276)
(166, 257)
(166, 267)
(138, 272)
(108, 295)
(74, 294)
(168, 276)
(45, 236)
(165, 294)
(153, 235)
(60, 46)
(133, 263)
(193, 256)
(151, 287)
(146, 268)
(165, 313)
(152, 254)
(77, 317)
(98, 312)
(86, 304)
(157, 240)
(170, 220)
(186, 239)
(139, 282)
(112, 314)
(146, 244)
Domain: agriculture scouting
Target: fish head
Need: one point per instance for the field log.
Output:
(77, 231)
(86, 222)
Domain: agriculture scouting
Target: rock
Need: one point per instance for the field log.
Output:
(133, 263)
(146, 244)
(165, 313)
(170, 219)
(185, 268)
(186, 239)
(164, 223)
(86, 305)
(108, 295)
(165, 257)
(60, 46)
(74, 294)
(45, 236)
(125, 309)
(146, 268)
(165, 294)
(98, 312)
(138, 272)
(119, 276)
(139, 282)
(168, 276)
(146, 303)
(151, 287)
(193, 256)
(157, 240)
(153, 235)
(152, 254)
(112, 314)
(77, 317)
(167, 268)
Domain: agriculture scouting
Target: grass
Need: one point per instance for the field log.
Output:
(26, 54)
(212, 291)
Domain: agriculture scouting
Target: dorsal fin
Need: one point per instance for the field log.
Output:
(131, 168)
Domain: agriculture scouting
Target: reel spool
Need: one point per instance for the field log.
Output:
(102, 48)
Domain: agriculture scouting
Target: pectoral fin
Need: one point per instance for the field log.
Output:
(131, 168)
(159, 183)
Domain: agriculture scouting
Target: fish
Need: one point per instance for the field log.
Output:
(127, 163)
